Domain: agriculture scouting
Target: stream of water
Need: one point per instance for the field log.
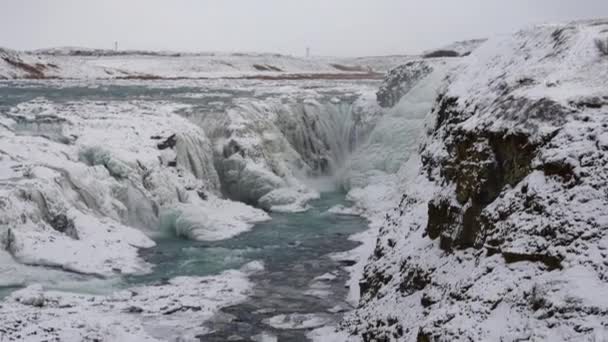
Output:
(295, 249)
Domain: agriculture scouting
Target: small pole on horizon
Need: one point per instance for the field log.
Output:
(116, 46)
(307, 52)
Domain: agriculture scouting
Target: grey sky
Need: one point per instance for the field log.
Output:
(329, 27)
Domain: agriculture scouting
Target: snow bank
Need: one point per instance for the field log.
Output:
(175, 310)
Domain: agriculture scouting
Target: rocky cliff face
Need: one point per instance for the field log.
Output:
(400, 80)
(503, 235)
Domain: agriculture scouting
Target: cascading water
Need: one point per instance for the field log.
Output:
(324, 133)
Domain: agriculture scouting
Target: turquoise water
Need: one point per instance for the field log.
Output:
(294, 248)
(287, 238)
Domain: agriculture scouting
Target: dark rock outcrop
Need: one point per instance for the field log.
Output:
(441, 53)
(400, 80)
(169, 142)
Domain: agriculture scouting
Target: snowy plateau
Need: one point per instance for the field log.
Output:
(481, 169)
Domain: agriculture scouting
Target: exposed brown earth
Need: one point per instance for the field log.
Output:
(35, 71)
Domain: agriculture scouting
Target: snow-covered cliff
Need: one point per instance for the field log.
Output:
(500, 230)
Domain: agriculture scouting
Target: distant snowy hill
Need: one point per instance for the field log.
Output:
(69, 62)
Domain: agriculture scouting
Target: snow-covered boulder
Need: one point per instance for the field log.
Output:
(503, 234)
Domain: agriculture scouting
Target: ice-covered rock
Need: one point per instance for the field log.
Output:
(501, 235)
(212, 219)
(288, 199)
(106, 169)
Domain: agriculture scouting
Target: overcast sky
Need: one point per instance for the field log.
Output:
(329, 27)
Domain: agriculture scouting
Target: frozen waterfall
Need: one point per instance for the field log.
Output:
(266, 149)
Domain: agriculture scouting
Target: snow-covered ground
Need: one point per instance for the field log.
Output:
(174, 310)
(80, 63)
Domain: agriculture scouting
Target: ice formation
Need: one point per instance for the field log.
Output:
(106, 168)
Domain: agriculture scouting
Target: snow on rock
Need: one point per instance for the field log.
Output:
(212, 219)
(288, 200)
(171, 311)
(455, 49)
(14, 64)
(500, 234)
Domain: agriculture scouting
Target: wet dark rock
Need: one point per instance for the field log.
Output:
(233, 147)
(167, 143)
(134, 310)
(182, 308)
(266, 67)
(202, 195)
(602, 46)
(552, 262)
(441, 53)
(65, 225)
(481, 166)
